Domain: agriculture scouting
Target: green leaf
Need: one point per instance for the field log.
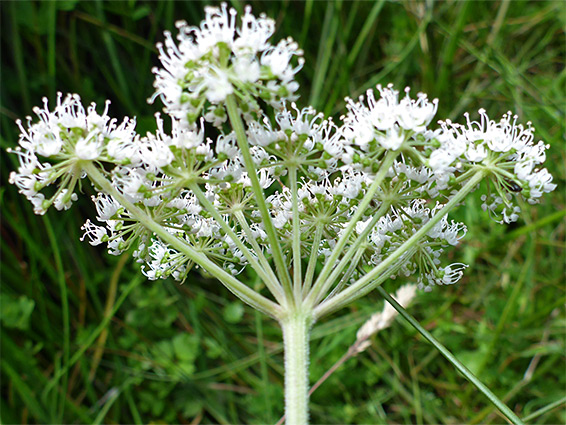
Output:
(185, 347)
(233, 312)
(213, 349)
(16, 312)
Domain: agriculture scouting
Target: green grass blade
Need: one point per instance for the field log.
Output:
(92, 337)
(449, 51)
(18, 57)
(558, 215)
(124, 91)
(65, 309)
(263, 368)
(364, 32)
(325, 51)
(306, 22)
(112, 396)
(545, 409)
(25, 393)
(509, 414)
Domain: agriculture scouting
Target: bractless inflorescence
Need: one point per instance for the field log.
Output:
(348, 195)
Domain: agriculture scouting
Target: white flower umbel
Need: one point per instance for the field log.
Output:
(54, 150)
(505, 150)
(387, 121)
(273, 187)
(219, 58)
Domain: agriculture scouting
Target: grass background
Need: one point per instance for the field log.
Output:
(85, 339)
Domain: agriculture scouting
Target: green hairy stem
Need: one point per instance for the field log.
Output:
(296, 331)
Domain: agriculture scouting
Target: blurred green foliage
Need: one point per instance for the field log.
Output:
(85, 339)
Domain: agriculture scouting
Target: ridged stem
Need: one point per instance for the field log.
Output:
(296, 335)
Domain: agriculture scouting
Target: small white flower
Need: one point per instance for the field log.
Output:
(95, 234)
(476, 152)
(540, 182)
(227, 145)
(106, 206)
(416, 114)
(205, 151)
(217, 86)
(88, 148)
(246, 69)
(278, 59)
(64, 200)
(392, 139)
(254, 33)
(453, 273)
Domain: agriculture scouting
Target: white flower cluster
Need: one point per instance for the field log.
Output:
(220, 58)
(52, 149)
(200, 187)
(389, 121)
(503, 148)
(397, 227)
